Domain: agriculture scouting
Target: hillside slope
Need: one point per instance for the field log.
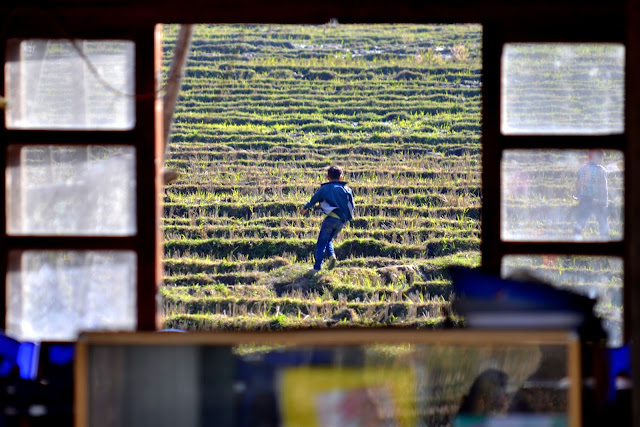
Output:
(263, 111)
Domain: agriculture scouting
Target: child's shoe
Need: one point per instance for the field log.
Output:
(332, 262)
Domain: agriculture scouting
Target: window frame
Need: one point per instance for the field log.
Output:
(143, 137)
(502, 21)
(494, 143)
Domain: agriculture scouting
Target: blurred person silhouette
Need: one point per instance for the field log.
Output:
(592, 195)
(487, 395)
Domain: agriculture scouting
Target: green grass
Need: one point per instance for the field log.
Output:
(265, 109)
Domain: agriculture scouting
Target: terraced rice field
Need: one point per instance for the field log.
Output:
(264, 111)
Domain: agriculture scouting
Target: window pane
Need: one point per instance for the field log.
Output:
(71, 190)
(53, 295)
(57, 84)
(562, 88)
(562, 195)
(595, 277)
(472, 383)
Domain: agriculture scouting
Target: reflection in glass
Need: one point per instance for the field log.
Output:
(562, 88)
(487, 395)
(562, 195)
(60, 84)
(378, 384)
(53, 295)
(71, 190)
(595, 277)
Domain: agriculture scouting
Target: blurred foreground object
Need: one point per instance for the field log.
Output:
(36, 382)
(488, 301)
(172, 90)
(169, 175)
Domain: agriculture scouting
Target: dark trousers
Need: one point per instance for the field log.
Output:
(328, 231)
(589, 207)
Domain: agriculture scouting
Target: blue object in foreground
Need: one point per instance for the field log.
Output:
(61, 354)
(14, 354)
(28, 356)
(619, 365)
(8, 354)
(492, 302)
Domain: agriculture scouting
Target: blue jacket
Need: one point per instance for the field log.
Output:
(336, 194)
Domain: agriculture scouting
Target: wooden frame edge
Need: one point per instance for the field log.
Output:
(80, 387)
(574, 371)
(335, 337)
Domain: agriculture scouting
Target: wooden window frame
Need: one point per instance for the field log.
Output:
(493, 248)
(144, 138)
(502, 21)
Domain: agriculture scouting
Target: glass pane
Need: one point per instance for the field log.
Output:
(562, 88)
(405, 384)
(595, 277)
(562, 195)
(71, 190)
(53, 295)
(59, 84)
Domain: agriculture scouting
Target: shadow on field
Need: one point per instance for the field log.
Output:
(296, 278)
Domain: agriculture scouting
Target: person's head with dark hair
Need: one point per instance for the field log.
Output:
(595, 156)
(334, 173)
(487, 395)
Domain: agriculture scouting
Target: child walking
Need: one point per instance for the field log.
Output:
(336, 202)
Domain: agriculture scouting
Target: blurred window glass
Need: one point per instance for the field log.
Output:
(595, 277)
(53, 295)
(63, 84)
(555, 88)
(461, 378)
(71, 190)
(562, 195)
